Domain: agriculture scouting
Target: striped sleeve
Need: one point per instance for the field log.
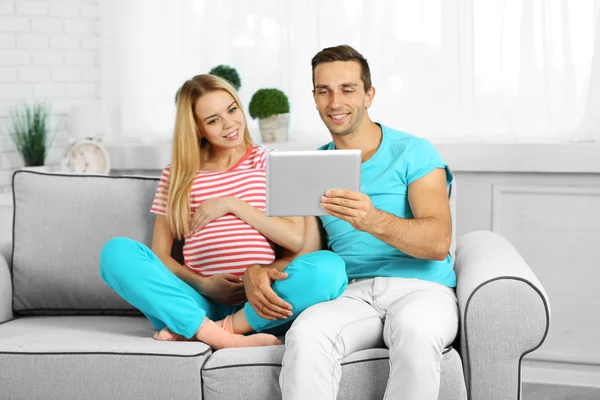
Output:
(261, 159)
(159, 205)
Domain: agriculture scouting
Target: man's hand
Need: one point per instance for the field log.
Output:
(222, 288)
(210, 210)
(266, 303)
(354, 207)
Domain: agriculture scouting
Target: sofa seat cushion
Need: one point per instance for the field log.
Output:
(93, 357)
(255, 370)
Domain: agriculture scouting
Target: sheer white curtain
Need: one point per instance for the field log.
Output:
(448, 70)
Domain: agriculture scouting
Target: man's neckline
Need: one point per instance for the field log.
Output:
(383, 135)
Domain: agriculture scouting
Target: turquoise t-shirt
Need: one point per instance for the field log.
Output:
(400, 160)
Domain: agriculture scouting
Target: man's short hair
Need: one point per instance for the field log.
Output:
(343, 53)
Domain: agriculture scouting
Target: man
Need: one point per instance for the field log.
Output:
(395, 238)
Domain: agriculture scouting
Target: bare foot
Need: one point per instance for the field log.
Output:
(256, 339)
(216, 337)
(167, 335)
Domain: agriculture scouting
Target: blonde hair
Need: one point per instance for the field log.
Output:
(189, 148)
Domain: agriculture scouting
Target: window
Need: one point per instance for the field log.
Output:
(445, 70)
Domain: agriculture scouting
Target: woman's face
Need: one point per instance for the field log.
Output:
(220, 119)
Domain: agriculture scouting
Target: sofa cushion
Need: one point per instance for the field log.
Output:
(61, 223)
(93, 357)
(364, 374)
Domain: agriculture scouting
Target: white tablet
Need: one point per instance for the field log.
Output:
(296, 180)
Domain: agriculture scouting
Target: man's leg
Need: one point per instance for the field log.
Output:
(312, 278)
(421, 321)
(321, 336)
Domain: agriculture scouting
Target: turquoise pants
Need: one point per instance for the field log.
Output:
(133, 271)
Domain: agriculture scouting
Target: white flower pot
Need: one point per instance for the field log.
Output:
(275, 128)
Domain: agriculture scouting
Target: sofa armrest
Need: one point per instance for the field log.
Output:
(6, 250)
(6, 292)
(505, 314)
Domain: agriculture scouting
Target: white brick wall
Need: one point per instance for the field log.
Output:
(49, 51)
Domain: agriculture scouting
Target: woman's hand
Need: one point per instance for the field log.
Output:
(222, 288)
(210, 210)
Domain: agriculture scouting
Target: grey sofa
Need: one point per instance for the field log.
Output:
(65, 335)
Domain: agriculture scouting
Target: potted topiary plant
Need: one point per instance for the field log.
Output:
(226, 72)
(229, 74)
(272, 108)
(30, 132)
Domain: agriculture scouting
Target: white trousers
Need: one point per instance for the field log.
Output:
(415, 319)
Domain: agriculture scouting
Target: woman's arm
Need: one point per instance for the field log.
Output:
(222, 288)
(162, 242)
(287, 232)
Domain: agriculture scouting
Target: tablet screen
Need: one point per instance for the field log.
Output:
(296, 180)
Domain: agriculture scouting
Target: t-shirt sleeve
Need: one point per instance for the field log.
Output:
(422, 159)
(261, 157)
(159, 205)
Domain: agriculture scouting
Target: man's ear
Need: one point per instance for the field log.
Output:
(370, 95)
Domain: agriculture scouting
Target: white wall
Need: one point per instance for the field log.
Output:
(49, 50)
(552, 220)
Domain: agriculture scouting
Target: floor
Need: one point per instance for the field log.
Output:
(535, 391)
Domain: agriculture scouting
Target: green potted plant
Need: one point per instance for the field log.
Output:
(228, 73)
(272, 108)
(29, 130)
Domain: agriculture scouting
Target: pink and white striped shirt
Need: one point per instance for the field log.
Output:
(227, 244)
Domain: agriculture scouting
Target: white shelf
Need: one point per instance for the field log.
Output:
(461, 157)
(155, 156)
(295, 145)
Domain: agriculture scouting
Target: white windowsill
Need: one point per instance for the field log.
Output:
(466, 157)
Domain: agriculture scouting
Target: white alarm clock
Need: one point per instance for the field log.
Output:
(86, 156)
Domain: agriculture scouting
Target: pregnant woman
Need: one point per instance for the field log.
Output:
(212, 196)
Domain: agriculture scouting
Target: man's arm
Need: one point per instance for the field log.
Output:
(258, 278)
(427, 235)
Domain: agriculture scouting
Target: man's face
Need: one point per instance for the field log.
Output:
(340, 96)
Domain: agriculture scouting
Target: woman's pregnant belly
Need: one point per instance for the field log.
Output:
(226, 245)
